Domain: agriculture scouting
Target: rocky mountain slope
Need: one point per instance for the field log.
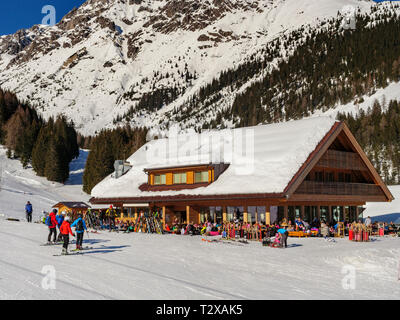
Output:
(146, 58)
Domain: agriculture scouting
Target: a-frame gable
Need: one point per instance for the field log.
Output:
(339, 132)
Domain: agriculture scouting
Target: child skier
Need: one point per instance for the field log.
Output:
(65, 231)
(80, 228)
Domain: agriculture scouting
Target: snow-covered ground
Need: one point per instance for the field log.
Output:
(17, 186)
(385, 212)
(145, 266)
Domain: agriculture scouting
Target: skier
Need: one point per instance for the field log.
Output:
(52, 223)
(28, 211)
(65, 231)
(60, 219)
(80, 228)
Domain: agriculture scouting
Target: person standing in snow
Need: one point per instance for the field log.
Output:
(111, 214)
(52, 224)
(368, 221)
(28, 211)
(60, 219)
(65, 231)
(80, 228)
(284, 234)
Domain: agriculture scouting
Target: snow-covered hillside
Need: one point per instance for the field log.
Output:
(146, 266)
(103, 57)
(17, 186)
(385, 212)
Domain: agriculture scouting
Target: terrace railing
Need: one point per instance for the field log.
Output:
(339, 188)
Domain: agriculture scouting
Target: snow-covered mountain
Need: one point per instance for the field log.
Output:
(103, 57)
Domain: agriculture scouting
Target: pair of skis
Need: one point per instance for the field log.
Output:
(73, 252)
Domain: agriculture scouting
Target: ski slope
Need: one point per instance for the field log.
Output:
(145, 266)
(18, 185)
(385, 212)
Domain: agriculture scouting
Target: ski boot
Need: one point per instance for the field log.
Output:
(64, 252)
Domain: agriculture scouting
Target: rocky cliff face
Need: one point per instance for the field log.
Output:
(110, 56)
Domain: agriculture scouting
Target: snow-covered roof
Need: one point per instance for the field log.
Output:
(262, 159)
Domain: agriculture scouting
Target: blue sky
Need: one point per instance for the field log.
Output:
(18, 14)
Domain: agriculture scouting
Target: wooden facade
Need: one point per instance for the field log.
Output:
(73, 208)
(333, 184)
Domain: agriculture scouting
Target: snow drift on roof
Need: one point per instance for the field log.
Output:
(263, 159)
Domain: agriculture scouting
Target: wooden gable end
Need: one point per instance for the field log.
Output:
(338, 169)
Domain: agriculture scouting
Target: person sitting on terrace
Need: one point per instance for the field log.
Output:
(189, 228)
(298, 223)
(315, 223)
(284, 223)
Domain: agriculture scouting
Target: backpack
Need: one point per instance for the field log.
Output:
(79, 225)
(48, 221)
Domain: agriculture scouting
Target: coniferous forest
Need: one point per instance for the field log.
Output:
(48, 145)
(108, 146)
(378, 132)
(326, 67)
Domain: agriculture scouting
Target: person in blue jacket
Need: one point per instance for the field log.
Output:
(60, 219)
(80, 227)
(285, 234)
(28, 211)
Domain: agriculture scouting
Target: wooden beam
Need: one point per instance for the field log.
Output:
(245, 213)
(224, 214)
(164, 213)
(268, 215)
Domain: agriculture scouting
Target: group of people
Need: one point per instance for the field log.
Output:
(104, 219)
(62, 221)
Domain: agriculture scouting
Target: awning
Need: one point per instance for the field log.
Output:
(136, 205)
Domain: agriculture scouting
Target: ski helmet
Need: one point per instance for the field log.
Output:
(67, 218)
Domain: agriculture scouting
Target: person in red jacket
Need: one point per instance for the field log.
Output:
(52, 226)
(65, 231)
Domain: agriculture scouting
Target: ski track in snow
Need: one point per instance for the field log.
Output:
(144, 266)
